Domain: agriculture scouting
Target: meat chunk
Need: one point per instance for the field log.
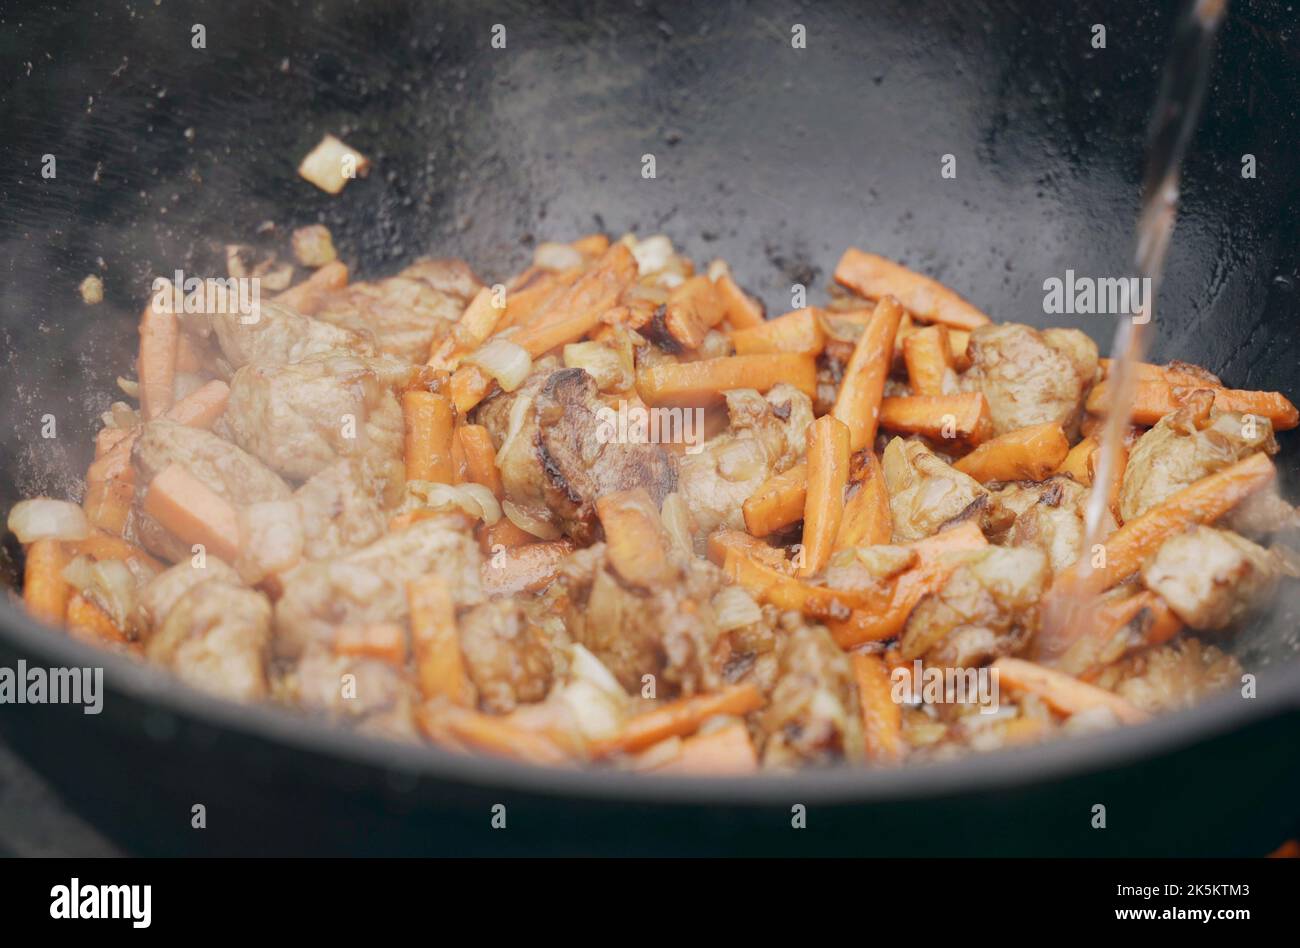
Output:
(669, 632)
(1047, 515)
(165, 590)
(926, 493)
(210, 630)
(1178, 451)
(557, 464)
(224, 468)
(812, 715)
(1211, 578)
(765, 436)
(367, 693)
(369, 585)
(1171, 677)
(279, 335)
(508, 656)
(343, 508)
(302, 417)
(1031, 377)
(407, 311)
(988, 607)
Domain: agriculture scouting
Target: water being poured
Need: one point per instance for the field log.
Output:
(1182, 87)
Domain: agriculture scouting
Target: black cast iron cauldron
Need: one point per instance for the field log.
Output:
(773, 157)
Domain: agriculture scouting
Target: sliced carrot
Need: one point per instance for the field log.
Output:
(799, 332)
(740, 310)
(591, 245)
(728, 750)
(93, 623)
(476, 324)
(502, 533)
(1026, 454)
(882, 716)
(202, 407)
(635, 539)
(309, 295)
(159, 330)
(45, 591)
(193, 512)
(1063, 693)
(886, 620)
(526, 568)
(577, 310)
(867, 518)
(480, 457)
(435, 641)
(469, 386)
(767, 575)
(533, 293)
(859, 400)
(778, 502)
(385, 641)
(108, 438)
(678, 718)
(1153, 399)
(875, 278)
(1078, 462)
(964, 417)
(428, 419)
(705, 381)
(959, 341)
(187, 357)
(930, 364)
(693, 308)
(490, 734)
(828, 474)
(108, 504)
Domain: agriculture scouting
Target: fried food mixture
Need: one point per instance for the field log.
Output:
(608, 513)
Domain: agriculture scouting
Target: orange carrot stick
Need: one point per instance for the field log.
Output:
(526, 568)
(882, 716)
(799, 332)
(859, 400)
(439, 664)
(964, 417)
(107, 439)
(867, 518)
(828, 474)
(1063, 693)
(87, 620)
(578, 309)
(45, 591)
(428, 419)
(385, 641)
(740, 310)
(591, 245)
(159, 330)
(480, 457)
(778, 502)
(502, 533)
(705, 381)
(476, 324)
(1154, 399)
(1027, 454)
(930, 366)
(875, 278)
(1078, 462)
(202, 407)
(677, 718)
(309, 295)
(490, 734)
(693, 308)
(193, 512)
(728, 750)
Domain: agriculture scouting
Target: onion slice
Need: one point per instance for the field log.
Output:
(44, 519)
(529, 523)
(507, 362)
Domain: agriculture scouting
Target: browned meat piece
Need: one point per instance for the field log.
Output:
(371, 695)
(925, 493)
(765, 437)
(344, 507)
(668, 632)
(508, 656)
(164, 590)
(988, 607)
(1211, 578)
(555, 464)
(1171, 677)
(214, 635)
(369, 585)
(227, 470)
(303, 417)
(278, 335)
(405, 312)
(1046, 515)
(1177, 452)
(812, 715)
(1031, 377)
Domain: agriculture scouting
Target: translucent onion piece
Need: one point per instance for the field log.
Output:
(553, 256)
(734, 608)
(44, 519)
(507, 362)
(652, 254)
(527, 522)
